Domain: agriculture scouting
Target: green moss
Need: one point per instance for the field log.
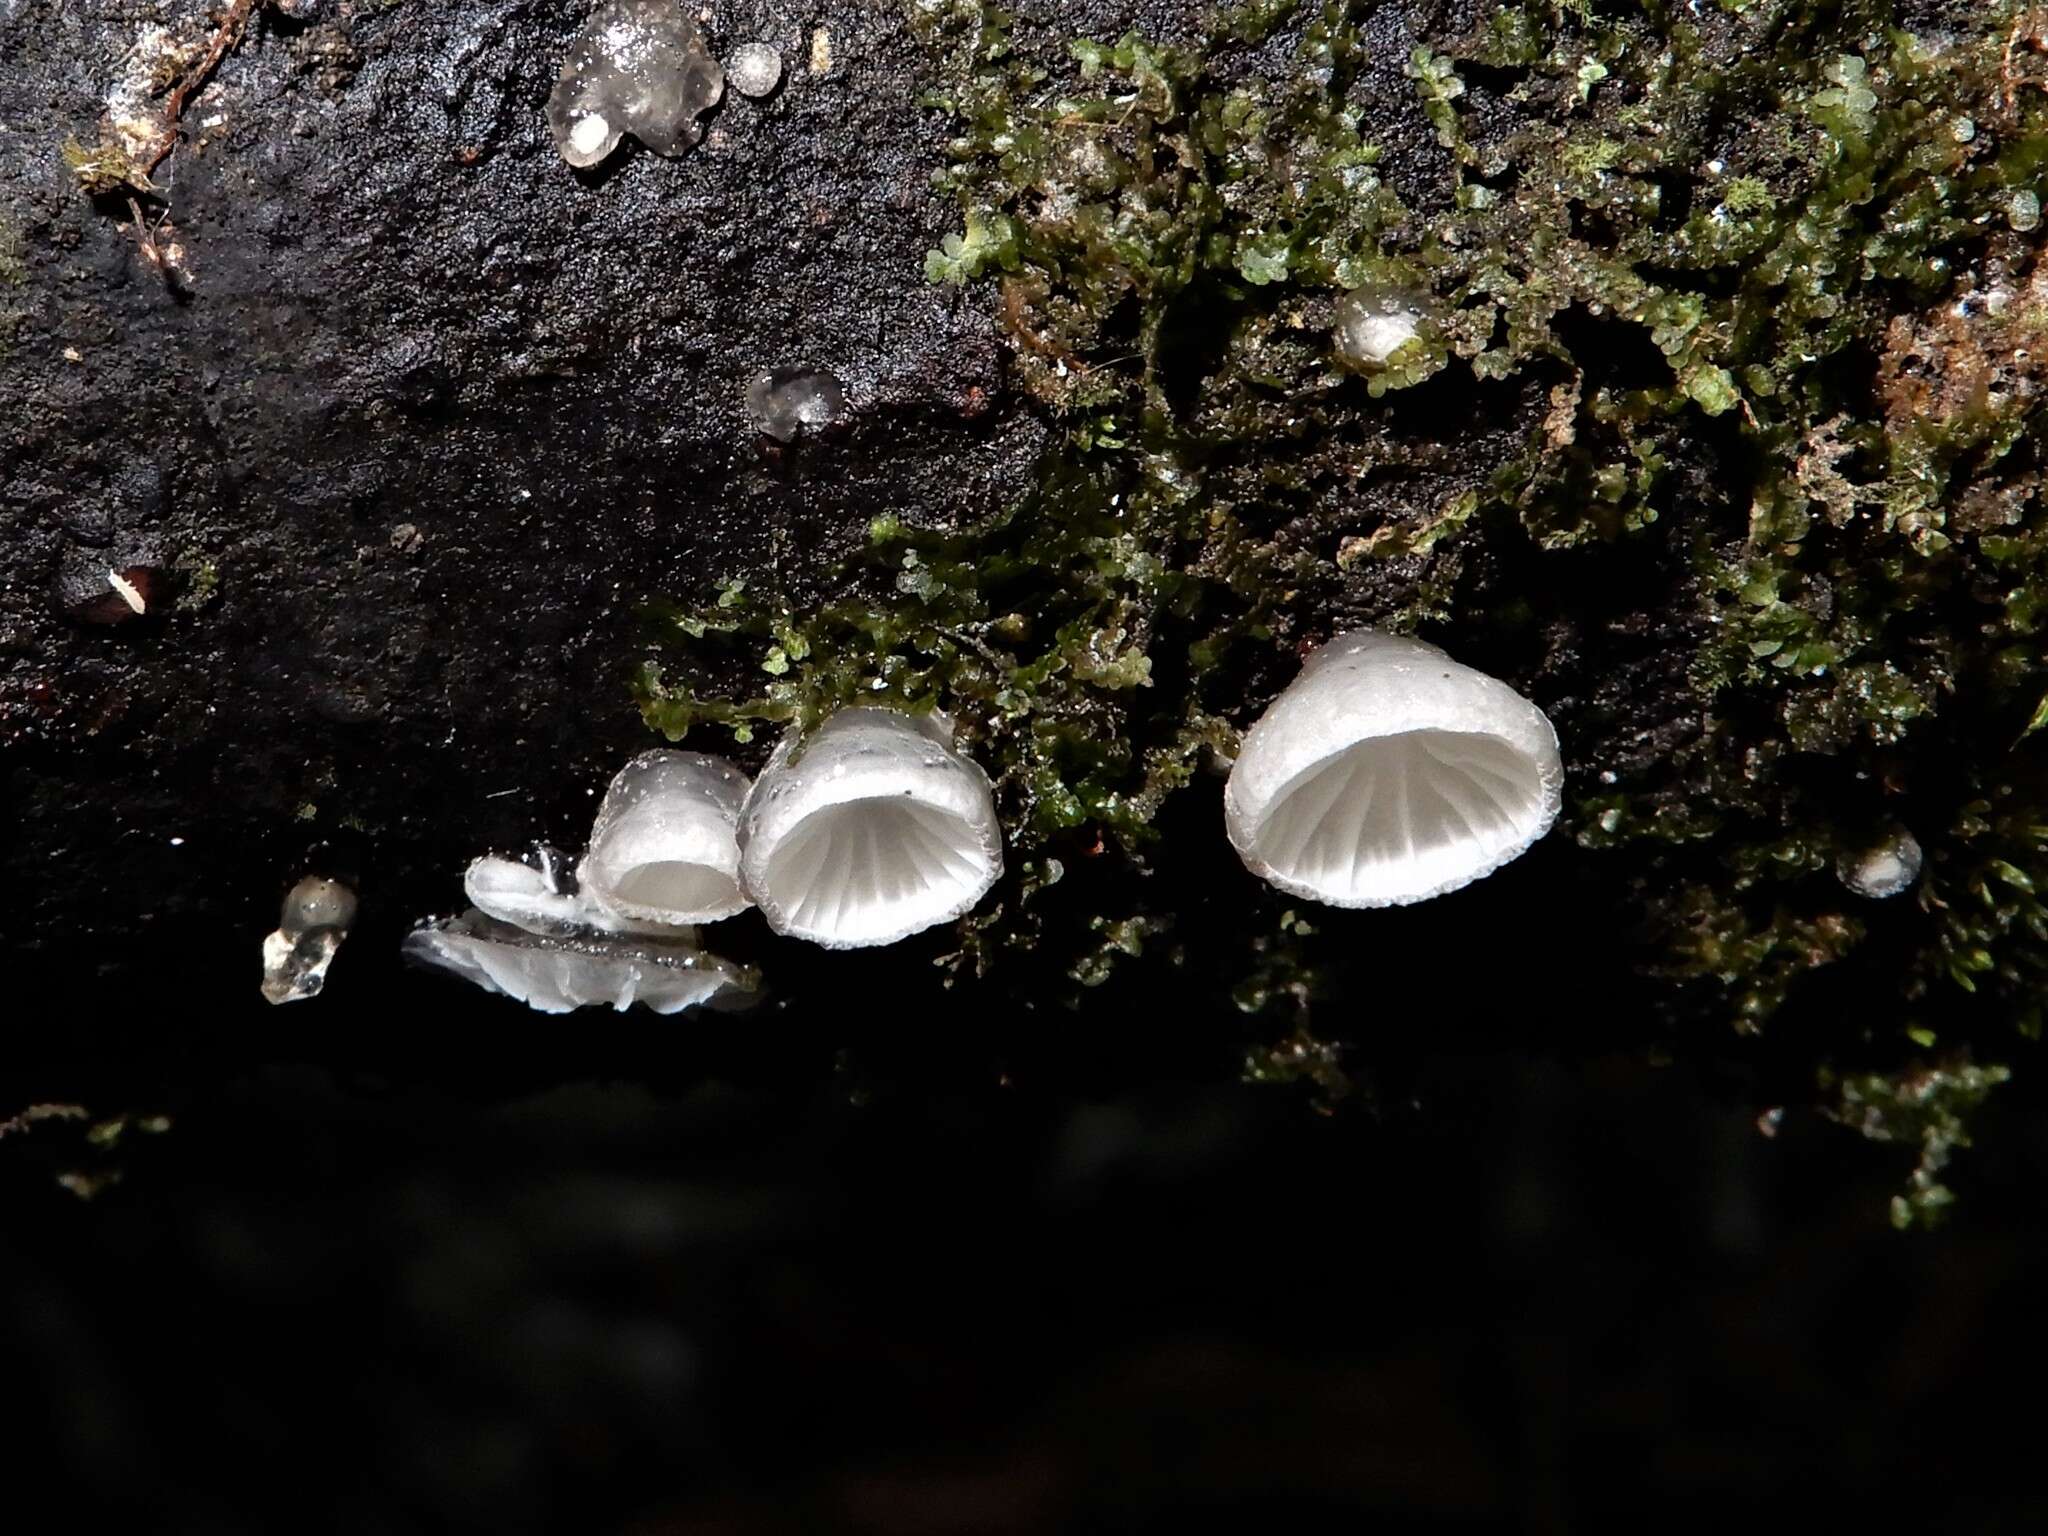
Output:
(1923, 1107)
(1778, 247)
(13, 273)
(79, 1146)
(13, 255)
(1040, 632)
(199, 580)
(105, 169)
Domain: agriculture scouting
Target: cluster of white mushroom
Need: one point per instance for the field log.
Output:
(870, 829)
(1385, 774)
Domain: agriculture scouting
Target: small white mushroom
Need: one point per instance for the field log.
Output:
(1885, 868)
(529, 893)
(555, 975)
(663, 850)
(535, 893)
(754, 69)
(1386, 773)
(872, 829)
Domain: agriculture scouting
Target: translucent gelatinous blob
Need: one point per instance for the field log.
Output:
(556, 975)
(789, 400)
(664, 849)
(311, 924)
(1885, 868)
(638, 67)
(1373, 322)
(1387, 773)
(317, 903)
(872, 830)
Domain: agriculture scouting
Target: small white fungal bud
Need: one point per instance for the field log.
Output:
(638, 67)
(663, 850)
(871, 830)
(754, 69)
(1386, 773)
(591, 138)
(313, 921)
(1885, 868)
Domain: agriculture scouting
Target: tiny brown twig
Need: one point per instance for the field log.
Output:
(145, 237)
(232, 26)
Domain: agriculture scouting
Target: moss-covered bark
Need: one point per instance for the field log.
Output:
(1749, 296)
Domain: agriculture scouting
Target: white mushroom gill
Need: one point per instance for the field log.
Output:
(555, 975)
(1387, 773)
(872, 830)
(663, 850)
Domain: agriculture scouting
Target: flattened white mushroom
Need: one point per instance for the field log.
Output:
(531, 893)
(556, 975)
(1386, 773)
(664, 850)
(873, 829)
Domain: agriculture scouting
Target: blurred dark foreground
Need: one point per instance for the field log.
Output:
(682, 1292)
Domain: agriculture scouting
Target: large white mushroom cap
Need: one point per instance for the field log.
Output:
(663, 850)
(1386, 773)
(869, 830)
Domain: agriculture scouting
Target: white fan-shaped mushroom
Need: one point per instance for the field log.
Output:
(527, 893)
(557, 975)
(869, 831)
(1386, 773)
(663, 850)
(532, 893)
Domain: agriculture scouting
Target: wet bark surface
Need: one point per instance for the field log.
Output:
(395, 451)
(436, 414)
(400, 422)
